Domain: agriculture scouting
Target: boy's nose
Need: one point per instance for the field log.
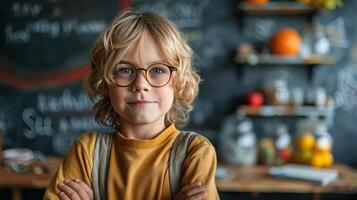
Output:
(140, 84)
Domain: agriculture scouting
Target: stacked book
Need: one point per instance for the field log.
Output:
(303, 172)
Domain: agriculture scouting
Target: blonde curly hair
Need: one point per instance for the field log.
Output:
(126, 29)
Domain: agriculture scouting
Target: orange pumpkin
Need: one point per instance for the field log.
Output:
(257, 2)
(285, 42)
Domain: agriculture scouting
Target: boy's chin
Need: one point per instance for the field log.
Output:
(143, 120)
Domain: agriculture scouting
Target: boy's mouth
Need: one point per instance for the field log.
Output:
(140, 102)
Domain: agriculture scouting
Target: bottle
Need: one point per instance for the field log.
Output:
(322, 137)
(322, 156)
(276, 91)
(297, 96)
(267, 151)
(238, 141)
(282, 145)
(321, 44)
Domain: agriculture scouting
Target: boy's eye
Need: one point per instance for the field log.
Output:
(158, 69)
(124, 70)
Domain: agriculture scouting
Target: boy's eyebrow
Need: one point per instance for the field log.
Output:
(132, 64)
(125, 62)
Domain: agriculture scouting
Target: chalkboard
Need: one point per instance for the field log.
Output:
(44, 56)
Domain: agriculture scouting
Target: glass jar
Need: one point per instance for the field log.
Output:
(315, 41)
(321, 44)
(323, 139)
(297, 96)
(238, 141)
(282, 144)
(277, 92)
(282, 137)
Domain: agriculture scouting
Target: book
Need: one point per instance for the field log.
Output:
(304, 172)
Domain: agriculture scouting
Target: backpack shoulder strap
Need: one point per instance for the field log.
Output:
(176, 160)
(100, 165)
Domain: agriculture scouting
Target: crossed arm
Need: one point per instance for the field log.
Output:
(78, 190)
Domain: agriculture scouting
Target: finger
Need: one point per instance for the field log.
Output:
(88, 189)
(191, 189)
(186, 187)
(190, 185)
(77, 188)
(63, 196)
(196, 190)
(198, 196)
(68, 191)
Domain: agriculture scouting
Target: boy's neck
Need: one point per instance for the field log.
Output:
(141, 131)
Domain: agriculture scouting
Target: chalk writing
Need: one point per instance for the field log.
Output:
(41, 125)
(26, 9)
(63, 102)
(52, 29)
(28, 19)
(63, 112)
(37, 125)
(185, 14)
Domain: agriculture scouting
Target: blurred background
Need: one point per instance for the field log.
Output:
(280, 81)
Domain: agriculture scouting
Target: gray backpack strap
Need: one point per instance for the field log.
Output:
(176, 160)
(100, 165)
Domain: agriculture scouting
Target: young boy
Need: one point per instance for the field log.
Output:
(143, 83)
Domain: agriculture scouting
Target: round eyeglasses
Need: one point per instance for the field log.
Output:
(157, 74)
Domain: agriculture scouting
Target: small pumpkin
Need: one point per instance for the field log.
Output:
(285, 42)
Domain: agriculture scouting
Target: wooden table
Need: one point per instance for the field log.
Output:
(257, 180)
(18, 181)
(244, 179)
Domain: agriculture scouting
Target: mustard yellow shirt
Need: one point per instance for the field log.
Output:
(138, 169)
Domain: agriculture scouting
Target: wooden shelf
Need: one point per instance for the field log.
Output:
(276, 8)
(268, 59)
(284, 111)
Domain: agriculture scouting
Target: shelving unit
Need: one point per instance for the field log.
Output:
(268, 59)
(256, 60)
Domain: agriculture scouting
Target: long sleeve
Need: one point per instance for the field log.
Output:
(200, 165)
(76, 164)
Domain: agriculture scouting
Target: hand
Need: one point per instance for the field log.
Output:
(75, 190)
(192, 191)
